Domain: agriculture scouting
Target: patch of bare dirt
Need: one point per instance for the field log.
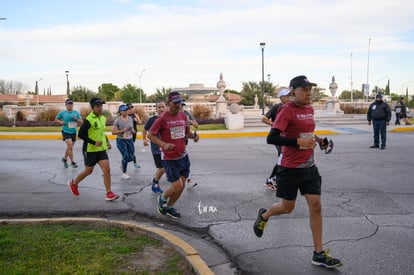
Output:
(155, 259)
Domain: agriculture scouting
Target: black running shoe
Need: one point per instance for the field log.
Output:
(162, 209)
(323, 259)
(170, 211)
(65, 163)
(260, 223)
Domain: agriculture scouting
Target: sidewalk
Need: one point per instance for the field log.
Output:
(246, 132)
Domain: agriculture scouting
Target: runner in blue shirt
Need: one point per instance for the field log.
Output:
(69, 119)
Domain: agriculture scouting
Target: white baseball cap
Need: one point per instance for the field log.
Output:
(284, 92)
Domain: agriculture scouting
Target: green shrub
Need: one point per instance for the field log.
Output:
(48, 114)
(107, 114)
(143, 116)
(3, 116)
(84, 112)
(201, 111)
(349, 109)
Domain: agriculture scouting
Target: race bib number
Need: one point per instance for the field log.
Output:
(306, 135)
(177, 132)
(72, 124)
(127, 134)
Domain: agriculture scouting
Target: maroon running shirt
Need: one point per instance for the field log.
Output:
(294, 122)
(172, 129)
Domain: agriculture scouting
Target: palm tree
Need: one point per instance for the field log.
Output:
(160, 94)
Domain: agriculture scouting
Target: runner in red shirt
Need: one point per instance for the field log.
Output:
(293, 129)
(173, 129)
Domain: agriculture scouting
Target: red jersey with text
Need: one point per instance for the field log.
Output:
(171, 129)
(294, 122)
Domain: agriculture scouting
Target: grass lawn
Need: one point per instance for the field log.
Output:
(84, 249)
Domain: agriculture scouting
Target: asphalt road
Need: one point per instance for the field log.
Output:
(367, 199)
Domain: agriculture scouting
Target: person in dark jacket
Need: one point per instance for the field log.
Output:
(379, 113)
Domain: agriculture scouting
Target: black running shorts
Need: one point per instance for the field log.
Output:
(290, 180)
(92, 158)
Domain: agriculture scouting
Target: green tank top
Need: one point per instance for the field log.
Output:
(97, 132)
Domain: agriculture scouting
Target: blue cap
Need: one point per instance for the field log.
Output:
(123, 107)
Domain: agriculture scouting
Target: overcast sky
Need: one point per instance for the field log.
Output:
(178, 42)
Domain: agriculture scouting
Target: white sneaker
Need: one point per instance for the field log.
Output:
(191, 184)
(125, 176)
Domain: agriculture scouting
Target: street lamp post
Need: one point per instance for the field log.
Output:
(262, 45)
(352, 93)
(140, 87)
(367, 84)
(67, 84)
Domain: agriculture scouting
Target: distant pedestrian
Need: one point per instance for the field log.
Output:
(155, 149)
(137, 120)
(169, 132)
(397, 111)
(379, 113)
(123, 128)
(294, 129)
(269, 118)
(95, 144)
(403, 115)
(69, 119)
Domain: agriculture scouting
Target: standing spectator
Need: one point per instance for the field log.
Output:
(136, 119)
(69, 119)
(397, 110)
(268, 119)
(403, 115)
(293, 129)
(123, 128)
(380, 114)
(155, 149)
(95, 144)
(169, 132)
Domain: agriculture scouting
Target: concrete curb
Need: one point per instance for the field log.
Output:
(206, 134)
(185, 249)
(402, 129)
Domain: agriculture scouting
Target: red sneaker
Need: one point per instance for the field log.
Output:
(110, 196)
(73, 188)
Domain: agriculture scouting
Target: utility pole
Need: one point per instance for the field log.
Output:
(369, 47)
(262, 45)
(67, 84)
(140, 87)
(352, 92)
